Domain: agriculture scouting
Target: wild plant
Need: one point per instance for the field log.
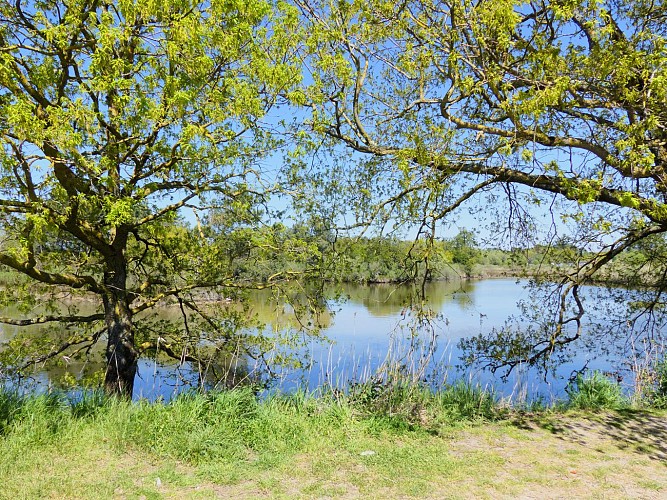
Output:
(595, 391)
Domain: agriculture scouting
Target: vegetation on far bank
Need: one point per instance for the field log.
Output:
(304, 248)
(307, 249)
(258, 255)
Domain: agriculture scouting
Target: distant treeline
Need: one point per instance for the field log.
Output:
(302, 249)
(262, 253)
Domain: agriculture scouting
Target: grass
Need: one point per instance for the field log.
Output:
(595, 391)
(372, 443)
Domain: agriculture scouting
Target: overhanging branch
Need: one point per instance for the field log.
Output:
(52, 319)
(71, 280)
(566, 186)
(89, 340)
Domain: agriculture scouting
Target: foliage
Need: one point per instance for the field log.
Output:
(419, 108)
(595, 391)
(294, 250)
(118, 121)
(464, 251)
(655, 395)
(114, 119)
(386, 259)
(403, 402)
(660, 392)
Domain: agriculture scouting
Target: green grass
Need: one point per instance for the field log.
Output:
(376, 442)
(224, 438)
(596, 391)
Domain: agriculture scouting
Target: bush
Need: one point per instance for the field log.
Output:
(595, 391)
(399, 400)
(656, 393)
(414, 404)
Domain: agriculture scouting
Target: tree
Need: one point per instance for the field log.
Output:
(465, 251)
(114, 117)
(533, 102)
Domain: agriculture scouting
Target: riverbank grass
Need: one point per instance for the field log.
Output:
(230, 444)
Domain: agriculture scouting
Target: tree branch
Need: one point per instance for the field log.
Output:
(71, 280)
(52, 319)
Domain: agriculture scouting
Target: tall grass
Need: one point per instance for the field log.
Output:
(237, 426)
(652, 383)
(234, 424)
(595, 391)
(467, 401)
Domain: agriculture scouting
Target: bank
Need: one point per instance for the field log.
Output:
(233, 445)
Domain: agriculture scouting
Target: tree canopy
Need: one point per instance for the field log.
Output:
(117, 118)
(114, 118)
(558, 104)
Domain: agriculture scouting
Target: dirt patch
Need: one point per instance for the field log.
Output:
(611, 455)
(641, 432)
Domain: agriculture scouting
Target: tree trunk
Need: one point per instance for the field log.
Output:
(121, 354)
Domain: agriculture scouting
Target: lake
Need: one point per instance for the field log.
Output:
(372, 326)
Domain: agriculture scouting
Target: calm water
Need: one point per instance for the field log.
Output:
(375, 325)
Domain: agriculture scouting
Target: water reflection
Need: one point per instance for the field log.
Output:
(390, 300)
(374, 324)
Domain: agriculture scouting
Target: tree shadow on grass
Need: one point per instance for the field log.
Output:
(634, 430)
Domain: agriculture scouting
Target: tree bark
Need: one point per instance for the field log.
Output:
(121, 353)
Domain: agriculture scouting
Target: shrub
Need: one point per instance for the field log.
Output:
(656, 392)
(398, 400)
(595, 391)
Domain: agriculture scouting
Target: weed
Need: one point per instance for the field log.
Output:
(595, 391)
(655, 394)
(467, 401)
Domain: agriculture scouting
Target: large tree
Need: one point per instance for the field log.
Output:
(114, 118)
(558, 103)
